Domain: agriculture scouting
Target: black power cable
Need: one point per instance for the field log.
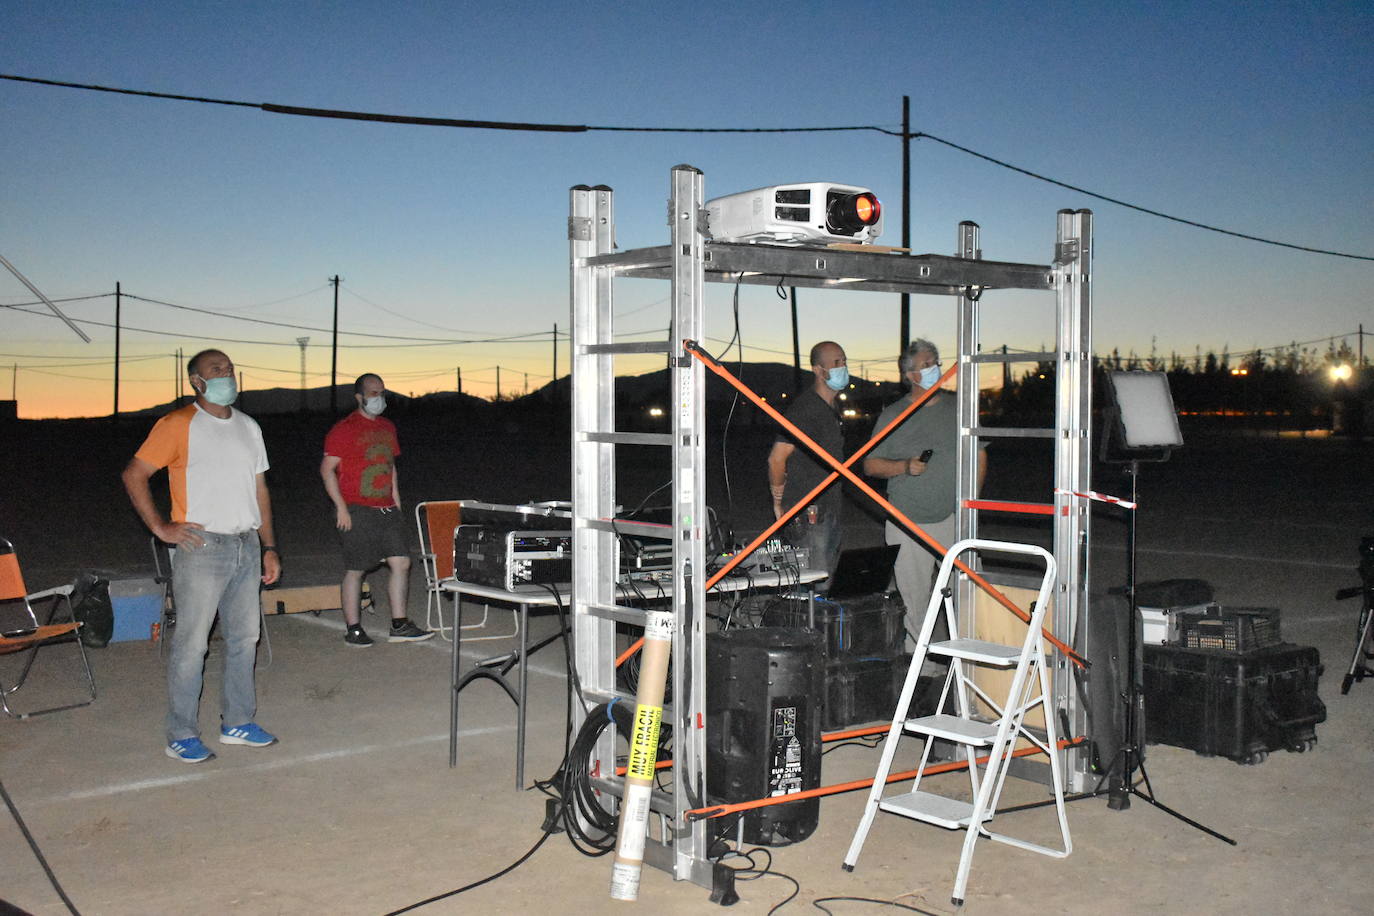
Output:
(587, 128)
(37, 853)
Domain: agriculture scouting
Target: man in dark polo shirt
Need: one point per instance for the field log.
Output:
(793, 471)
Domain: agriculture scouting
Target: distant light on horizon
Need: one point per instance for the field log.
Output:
(1340, 373)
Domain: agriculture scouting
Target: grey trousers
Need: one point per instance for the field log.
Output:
(915, 571)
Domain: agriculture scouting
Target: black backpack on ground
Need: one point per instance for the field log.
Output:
(91, 607)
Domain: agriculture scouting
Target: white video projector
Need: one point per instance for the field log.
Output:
(807, 213)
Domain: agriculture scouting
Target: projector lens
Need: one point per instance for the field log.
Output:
(852, 212)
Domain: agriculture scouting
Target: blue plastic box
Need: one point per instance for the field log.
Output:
(137, 606)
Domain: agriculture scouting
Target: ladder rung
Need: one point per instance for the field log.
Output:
(616, 612)
(628, 346)
(1011, 432)
(930, 808)
(1015, 357)
(659, 801)
(606, 695)
(978, 650)
(622, 526)
(954, 728)
(630, 438)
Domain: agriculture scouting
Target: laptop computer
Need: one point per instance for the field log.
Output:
(862, 571)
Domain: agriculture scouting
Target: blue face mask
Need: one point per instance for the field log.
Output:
(837, 379)
(929, 376)
(221, 391)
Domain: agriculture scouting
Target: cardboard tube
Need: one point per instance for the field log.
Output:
(639, 775)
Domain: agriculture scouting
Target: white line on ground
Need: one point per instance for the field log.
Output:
(205, 771)
(1247, 558)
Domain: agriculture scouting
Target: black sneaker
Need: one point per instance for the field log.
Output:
(354, 636)
(405, 631)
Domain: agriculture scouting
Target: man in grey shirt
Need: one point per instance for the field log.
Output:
(923, 488)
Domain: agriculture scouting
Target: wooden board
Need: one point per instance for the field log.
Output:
(995, 623)
(303, 598)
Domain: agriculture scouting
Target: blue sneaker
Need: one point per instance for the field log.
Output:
(189, 750)
(248, 734)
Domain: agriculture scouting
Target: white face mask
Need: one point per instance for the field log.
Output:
(375, 405)
(220, 391)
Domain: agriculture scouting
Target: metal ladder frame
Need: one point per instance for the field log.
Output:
(968, 732)
(687, 262)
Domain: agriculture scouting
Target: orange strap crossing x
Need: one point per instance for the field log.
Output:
(843, 469)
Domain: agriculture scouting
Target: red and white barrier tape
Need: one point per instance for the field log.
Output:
(1099, 497)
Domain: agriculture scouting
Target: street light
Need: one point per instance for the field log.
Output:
(302, 341)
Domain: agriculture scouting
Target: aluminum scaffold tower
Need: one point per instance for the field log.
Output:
(679, 845)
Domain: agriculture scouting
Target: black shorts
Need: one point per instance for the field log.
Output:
(376, 534)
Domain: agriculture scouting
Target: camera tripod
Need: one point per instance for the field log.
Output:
(1364, 650)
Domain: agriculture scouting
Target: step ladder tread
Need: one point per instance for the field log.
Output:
(930, 808)
(978, 650)
(954, 728)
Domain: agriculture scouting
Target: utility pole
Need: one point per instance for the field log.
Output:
(796, 343)
(905, 331)
(118, 296)
(302, 341)
(555, 358)
(458, 377)
(177, 379)
(498, 383)
(334, 355)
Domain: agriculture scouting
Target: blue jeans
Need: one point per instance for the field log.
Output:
(221, 577)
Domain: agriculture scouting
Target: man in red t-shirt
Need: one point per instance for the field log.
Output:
(359, 471)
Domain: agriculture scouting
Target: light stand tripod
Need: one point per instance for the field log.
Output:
(1119, 776)
(1145, 429)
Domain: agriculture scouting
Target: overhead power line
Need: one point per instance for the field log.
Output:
(589, 128)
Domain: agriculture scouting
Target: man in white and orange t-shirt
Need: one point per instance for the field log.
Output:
(221, 525)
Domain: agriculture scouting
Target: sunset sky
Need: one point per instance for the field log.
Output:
(1254, 117)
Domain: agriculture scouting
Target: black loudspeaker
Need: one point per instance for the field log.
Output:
(763, 727)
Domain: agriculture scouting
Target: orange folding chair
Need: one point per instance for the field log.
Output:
(437, 521)
(20, 630)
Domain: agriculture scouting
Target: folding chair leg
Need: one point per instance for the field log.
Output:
(24, 676)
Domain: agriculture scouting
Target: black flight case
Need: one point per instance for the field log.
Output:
(1239, 705)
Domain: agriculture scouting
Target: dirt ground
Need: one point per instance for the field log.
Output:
(357, 811)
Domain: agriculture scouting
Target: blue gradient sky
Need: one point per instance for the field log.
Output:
(1256, 117)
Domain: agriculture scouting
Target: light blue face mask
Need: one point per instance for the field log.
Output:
(929, 376)
(221, 391)
(837, 379)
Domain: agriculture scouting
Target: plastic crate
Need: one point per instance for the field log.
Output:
(1229, 629)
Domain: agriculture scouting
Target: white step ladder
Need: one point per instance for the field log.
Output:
(996, 739)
